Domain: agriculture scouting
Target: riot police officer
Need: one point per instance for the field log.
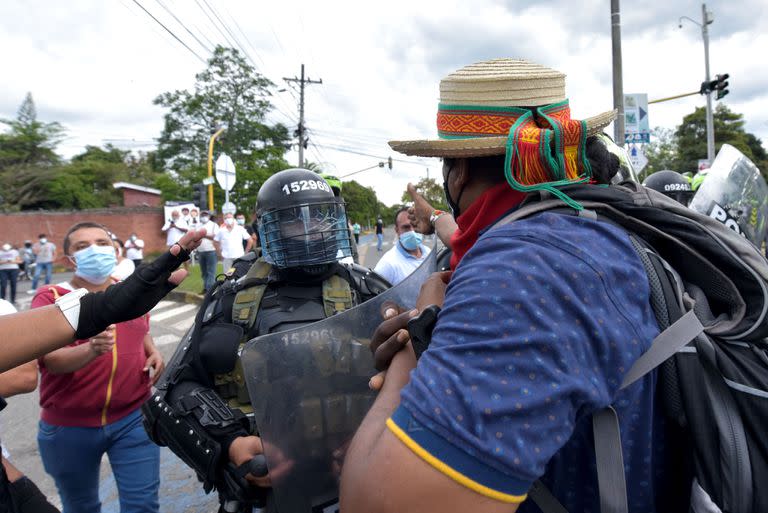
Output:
(672, 184)
(202, 408)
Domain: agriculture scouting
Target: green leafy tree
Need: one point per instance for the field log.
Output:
(229, 91)
(27, 157)
(431, 191)
(691, 138)
(661, 153)
(29, 141)
(362, 203)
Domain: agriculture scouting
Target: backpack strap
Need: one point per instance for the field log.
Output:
(247, 300)
(609, 457)
(337, 295)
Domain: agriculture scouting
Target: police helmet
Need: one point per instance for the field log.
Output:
(672, 184)
(335, 183)
(300, 221)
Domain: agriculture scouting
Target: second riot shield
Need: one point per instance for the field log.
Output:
(309, 391)
(735, 193)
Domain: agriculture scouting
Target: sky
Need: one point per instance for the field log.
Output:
(96, 65)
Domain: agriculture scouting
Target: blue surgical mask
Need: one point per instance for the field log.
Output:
(95, 263)
(410, 240)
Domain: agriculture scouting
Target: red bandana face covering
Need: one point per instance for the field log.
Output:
(486, 209)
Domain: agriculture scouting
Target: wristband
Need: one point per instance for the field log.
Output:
(436, 214)
(69, 304)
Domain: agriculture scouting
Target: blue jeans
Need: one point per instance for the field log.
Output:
(380, 237)
(71, 455)
(207, 268)
(8, 276)
(48, 266)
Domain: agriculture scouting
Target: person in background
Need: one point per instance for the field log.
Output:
(193, 223)
(125, 266)
(45, 254)
(356, 232)
(406, 255)
(174, 227)
(28, 258)
(91, 392)
(230, 239)
(9, 270)
(134, 249)
(206, 252)
(240, 220)
(379, 233)
(185, 215)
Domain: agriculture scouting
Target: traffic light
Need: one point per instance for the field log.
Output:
(389, 163)
(200, 195)
(720, 85)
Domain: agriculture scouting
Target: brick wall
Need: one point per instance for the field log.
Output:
(132, 198)
(122, 221)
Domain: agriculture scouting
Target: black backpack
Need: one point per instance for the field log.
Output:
(709, 292)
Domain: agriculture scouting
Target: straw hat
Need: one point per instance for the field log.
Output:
(480, 102)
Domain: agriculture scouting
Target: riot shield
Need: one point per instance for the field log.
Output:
(735, 194)
(309, 392)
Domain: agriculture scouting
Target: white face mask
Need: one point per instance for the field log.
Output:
(229, 221)
(204, 219)
(43, 240)
(6, 247)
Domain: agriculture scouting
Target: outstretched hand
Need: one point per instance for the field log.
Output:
(420, 212)
(139, 292)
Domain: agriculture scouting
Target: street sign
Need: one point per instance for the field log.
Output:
(225, 172)
(228, 208)
(637, 158)
(209, 181)
(636, 126)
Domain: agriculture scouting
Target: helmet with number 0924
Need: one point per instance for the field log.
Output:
(672, 184)
(300, 221)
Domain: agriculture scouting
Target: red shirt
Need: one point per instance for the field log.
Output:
(104, 391)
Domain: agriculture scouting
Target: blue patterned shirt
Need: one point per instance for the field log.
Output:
(542, 319)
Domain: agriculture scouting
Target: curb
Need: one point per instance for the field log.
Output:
(185, 297)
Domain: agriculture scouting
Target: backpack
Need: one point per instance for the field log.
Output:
(709, 293)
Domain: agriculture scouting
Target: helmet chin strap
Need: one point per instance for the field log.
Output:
(306, 272)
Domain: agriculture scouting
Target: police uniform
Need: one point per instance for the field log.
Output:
(202, 403)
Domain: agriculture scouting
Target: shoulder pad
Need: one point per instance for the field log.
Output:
(367, 282)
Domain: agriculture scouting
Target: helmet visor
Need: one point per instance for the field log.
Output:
(308, 234)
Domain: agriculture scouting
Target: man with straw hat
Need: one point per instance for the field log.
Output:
(534, 327)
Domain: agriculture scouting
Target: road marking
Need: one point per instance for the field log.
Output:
(185, 324)
(163, 304)
(164, 340)
(173, 312)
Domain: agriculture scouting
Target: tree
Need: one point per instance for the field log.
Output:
(27, 158)
(729, 129)
(29, 141)
(362, 203)
(661, 153)
(431, 191)
(229, 91)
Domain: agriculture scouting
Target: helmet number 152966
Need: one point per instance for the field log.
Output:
(305, 185)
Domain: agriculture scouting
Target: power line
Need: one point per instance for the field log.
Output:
(227, 41)
(169, 31)
(160, 2)
(237, 25)
(355, 152)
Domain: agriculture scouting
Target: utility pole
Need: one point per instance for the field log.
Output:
(706, 19)
(618, 82)
(301, 130)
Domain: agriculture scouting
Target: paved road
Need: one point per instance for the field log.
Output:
(180, 490)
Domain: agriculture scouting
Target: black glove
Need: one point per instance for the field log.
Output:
(129, 299)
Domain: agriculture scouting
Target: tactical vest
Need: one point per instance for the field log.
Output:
(337, 296)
